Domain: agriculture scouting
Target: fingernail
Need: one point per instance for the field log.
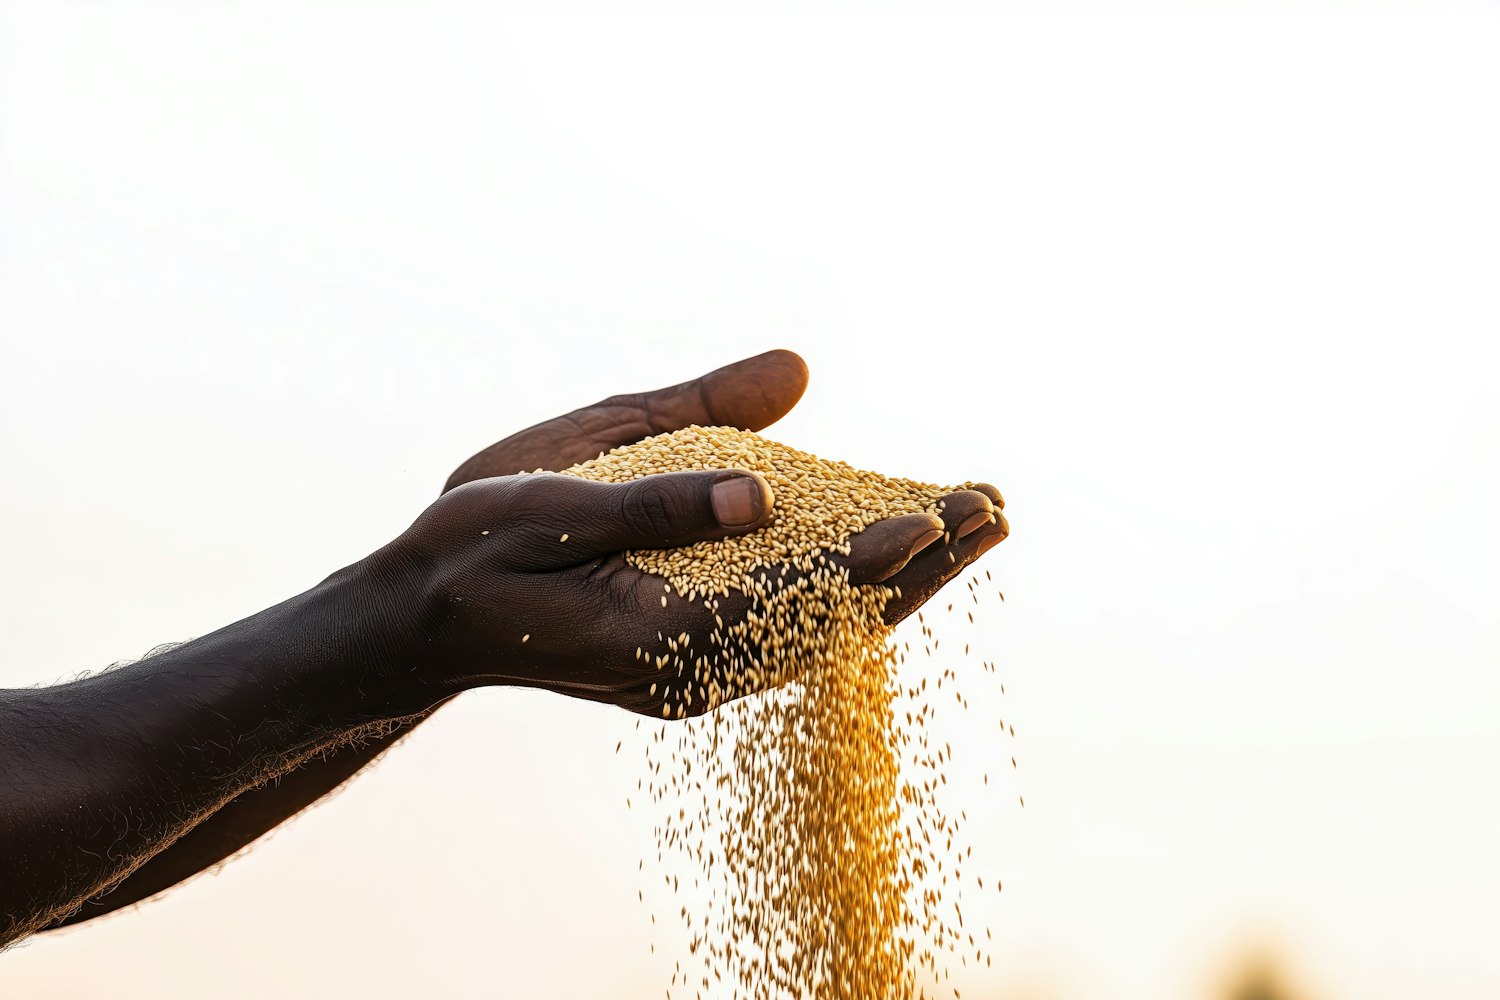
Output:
(925, 540)
(739, 501)
(988, 543)
(974, 523)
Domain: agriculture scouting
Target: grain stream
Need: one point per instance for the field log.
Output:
(808, 807)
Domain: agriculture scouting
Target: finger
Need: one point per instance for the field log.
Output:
(930, 570)
(749, 394)
(995, 498)
(669, 510)
(964, 512)
(882, 549)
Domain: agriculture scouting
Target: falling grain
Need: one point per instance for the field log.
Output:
(795, 786)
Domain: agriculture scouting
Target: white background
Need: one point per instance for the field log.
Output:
(1207, 290)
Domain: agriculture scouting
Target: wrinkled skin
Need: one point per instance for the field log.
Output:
(266, 716)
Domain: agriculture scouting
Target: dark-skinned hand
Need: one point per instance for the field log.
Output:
(139, 777)
(505, 602)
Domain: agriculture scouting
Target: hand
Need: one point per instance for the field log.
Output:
(751, 395)
(507, 602)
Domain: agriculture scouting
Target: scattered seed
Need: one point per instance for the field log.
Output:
(817, 757)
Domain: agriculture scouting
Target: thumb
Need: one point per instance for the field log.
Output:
(665, 511)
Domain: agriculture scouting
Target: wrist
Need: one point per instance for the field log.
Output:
(398, 624)
(366, 628)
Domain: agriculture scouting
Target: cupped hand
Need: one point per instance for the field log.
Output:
(524, 577)
(751, 394)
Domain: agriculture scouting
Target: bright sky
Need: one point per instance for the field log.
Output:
(1208, 290)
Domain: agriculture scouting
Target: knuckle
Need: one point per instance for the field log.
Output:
(483, 496)
(532, 490)
(648, 510)
(506, 510)
(991, 493)
(459, 506)
(620, 401)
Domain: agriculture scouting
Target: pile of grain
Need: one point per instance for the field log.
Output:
(811, 842)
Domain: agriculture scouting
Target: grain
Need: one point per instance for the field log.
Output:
(822, 862)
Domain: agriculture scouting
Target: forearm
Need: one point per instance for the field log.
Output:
(99, 775)
(243, 820)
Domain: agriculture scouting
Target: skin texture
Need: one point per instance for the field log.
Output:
(118, 786)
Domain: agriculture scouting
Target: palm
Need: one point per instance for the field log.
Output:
(615, 609)
(605, 648)
(625, 611)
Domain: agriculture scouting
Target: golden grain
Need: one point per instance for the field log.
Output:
(814, 878)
